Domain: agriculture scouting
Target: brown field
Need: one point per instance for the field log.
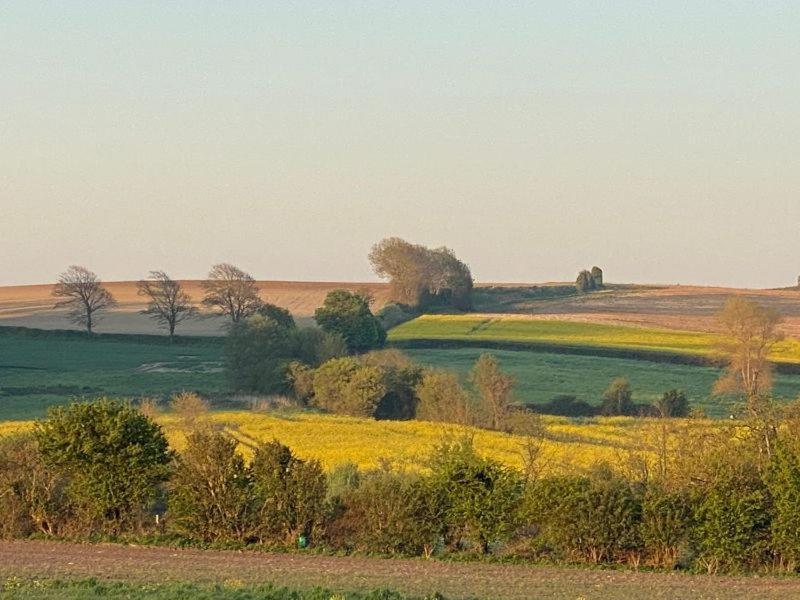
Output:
(63, 560)
(32, 305)
(690, 308)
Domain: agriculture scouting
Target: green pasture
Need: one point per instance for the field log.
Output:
(567, 334)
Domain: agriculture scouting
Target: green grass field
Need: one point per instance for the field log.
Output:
(39, 369)
(542, 375)
(476, 328)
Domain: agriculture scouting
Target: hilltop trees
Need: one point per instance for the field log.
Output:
(169, 303)
(421, 276)
(231, 291)
(83, 294)
(349, 315)
(589, 281)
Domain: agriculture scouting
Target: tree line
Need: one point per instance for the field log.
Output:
(701, 499)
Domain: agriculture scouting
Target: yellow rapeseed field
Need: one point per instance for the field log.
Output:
(567, 445)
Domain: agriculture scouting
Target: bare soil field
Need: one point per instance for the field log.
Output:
(691, 308)
(63, 560)
(32, 305)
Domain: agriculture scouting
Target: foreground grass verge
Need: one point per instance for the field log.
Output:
(566, 335)
(81, 589)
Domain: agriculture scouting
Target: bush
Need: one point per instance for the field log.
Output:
(280, 316)
(591, 519)
(618, 398)
(479, 496)
(566, 406)
(400, 377)
(289, 494)
(394, 314)
(731, 522)
(673, 404)
(783, 484)
(313, 346)
(345, 386)
(113, 457)
(441, 398)
(211, 491)
(666, 520)
(31, 494)
(348, 314)
(189, 407)
(257, 354)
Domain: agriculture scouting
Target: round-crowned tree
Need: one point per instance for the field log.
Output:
(348, 314)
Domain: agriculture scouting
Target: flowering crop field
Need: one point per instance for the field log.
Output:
(568, 445)
(555, 333)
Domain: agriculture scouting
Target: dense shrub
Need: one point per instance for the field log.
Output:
(348, 314)
(566, 406)
(394, 314)
(113, 457)
(400, 378)
(673, 404)
(289, 494)
(346, 386)
(783, 484)
(257, 354)
(441, 398)
(480, 497)
(312, 346)
(211, 491)
(280, 316)
(666, 520)
(31, 494)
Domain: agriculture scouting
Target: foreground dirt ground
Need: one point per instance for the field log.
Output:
(44, 559)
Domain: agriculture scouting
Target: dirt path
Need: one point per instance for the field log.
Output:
(454, 580)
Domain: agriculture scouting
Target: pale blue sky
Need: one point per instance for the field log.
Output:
(660, 140)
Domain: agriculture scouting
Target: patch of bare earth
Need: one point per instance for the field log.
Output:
(45, 559)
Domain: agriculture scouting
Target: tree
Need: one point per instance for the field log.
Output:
(751, 331)
(345, 386)
(618, 398)
(441, 398)
(585, 282)
(494, 389)
(231, 291)
(257, 354)
(84, 295)
(673, 404)
(420, 275)
(597, 277)
(113, 456)
(169, 303)
(280, 315)
(348, 314)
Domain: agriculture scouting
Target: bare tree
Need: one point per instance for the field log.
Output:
(751, 331)
(231, 291)
(169, 303)
(84, 295)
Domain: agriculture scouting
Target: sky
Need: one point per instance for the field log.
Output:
(658, 140)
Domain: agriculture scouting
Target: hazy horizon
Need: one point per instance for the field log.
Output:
(659, 142)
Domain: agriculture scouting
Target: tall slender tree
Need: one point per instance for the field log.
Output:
(83, 294)
(169, 304)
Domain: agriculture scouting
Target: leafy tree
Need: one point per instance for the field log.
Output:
(231, 291)
(348, 314)
(313, 346)
(673, 404)
(618, 398)
(211, 491)
(441, 398)
(169, 304)
(280, 315)
(289, 493)
(400, 377)
(257, 354)
(345, 386)
(84, 295)
(419, 276)
(494, 390)
(112, 455)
